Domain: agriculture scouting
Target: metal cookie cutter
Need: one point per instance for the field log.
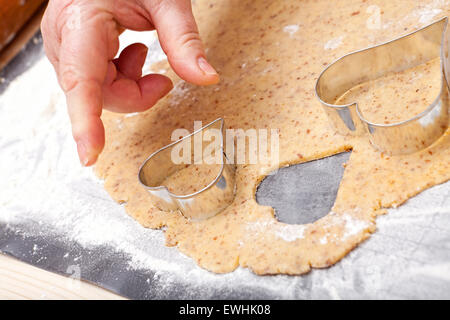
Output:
(403, 53)
(210, 199)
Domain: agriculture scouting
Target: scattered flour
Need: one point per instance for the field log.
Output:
(291, 29)
(427, 15)
(353, 226)
(290, 232)
(437, 271)
(333, 43)
(46, 193)
(180, 90)
(287, 232)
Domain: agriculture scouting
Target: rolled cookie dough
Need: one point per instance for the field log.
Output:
(412, 91)
(269, 55)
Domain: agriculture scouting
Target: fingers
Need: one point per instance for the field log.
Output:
(180, 40)
(125, 91)
(87, 128)
(83, 52)
(49, 36)
(126, 95)
(131, 61)
(83, 64)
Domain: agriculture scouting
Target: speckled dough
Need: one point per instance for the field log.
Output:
(412, 91)
(269, 55)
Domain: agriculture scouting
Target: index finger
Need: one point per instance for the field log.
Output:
(84, 54)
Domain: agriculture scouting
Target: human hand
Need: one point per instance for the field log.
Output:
(81, 39)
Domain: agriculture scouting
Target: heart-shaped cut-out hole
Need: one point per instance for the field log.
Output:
(305, 192)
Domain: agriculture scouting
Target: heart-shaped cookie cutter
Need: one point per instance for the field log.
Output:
(209, 200)
(406, 52)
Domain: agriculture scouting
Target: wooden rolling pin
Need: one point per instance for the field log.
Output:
(19, 21)
(14, 14)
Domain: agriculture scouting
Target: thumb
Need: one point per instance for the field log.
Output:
(180, 40)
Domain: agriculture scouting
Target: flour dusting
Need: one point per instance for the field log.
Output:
(291, 29)
(333, 43)
(353, 226)
(46, 193)
(427, 13)
(286, 232)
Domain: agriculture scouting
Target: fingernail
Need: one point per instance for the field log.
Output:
(83, 153)
(206, 67)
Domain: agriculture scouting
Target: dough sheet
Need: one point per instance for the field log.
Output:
(269, 55)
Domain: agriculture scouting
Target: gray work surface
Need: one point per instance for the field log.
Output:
(309, 188)
(55, 216)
